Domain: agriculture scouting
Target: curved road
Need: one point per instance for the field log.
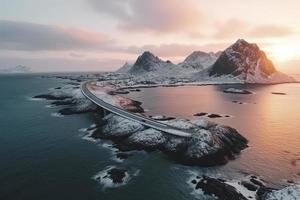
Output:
(132, 116)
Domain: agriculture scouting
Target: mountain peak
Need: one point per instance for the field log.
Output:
(146, 62)
(200, 60)
(244, 60)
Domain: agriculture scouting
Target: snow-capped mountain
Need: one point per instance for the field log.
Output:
(200, 60)
(242, 62)
(125, 68)
(20, 69)
(151, 66)
(248, 63)
(148, 62)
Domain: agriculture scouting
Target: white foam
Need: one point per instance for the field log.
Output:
(244, 191)
(56, 115)
(34, 99)
(49, 106)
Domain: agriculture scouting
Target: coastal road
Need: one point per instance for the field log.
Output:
(132, 116)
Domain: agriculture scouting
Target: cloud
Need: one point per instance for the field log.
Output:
(176, 50)
(29, 36)
(232, 29)
(271, 31)
(77, 55)
(153, 16)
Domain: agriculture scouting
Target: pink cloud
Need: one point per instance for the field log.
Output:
(30, 36)
(271, 31)
(153, 16)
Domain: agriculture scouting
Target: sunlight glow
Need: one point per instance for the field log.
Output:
(283, 53)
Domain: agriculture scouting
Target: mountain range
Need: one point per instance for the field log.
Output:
(20, 69)
(241, 61)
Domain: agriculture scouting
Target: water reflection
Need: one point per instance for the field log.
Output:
(270, 122)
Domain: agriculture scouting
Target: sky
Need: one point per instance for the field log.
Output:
(101, 35)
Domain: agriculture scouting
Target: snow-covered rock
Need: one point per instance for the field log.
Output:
(116, 127)
(69, 94)
(248, 63)
(200, 60)
(147, 139)
(289, 193)
(152, 67)
(210, 144)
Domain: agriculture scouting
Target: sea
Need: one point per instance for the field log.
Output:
(44, 155)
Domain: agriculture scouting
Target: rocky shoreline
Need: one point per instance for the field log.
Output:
(250, 187)
(211, 144)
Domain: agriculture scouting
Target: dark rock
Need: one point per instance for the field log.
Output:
(162, 118)
(249, 186)
(214, 116)
(135, 90)
(257, 182)
(237, 92)
(194, 182)
(200, 114)
(262, 192)
(121, 92)
(72, 111)
(51, 97)
(219, 189)
(116, 175)
(291, 181)
(63, 102)
(279, 93)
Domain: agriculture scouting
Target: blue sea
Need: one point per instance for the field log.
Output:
(45, 156)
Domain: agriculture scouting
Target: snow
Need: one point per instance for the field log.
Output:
(199, 60)
(117, 126)
(201, 144)
(289, 193)
(248, 63)
(149, 138)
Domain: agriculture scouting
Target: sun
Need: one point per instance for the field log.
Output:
(283, 53)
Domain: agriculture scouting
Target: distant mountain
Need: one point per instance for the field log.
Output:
(148, 62)
(200, 60)
(241, 62)
(248, 63)
(20, 69)
(151, 66)
(125, 68)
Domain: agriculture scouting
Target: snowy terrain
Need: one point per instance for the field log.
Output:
(248, 63)
(242, 62)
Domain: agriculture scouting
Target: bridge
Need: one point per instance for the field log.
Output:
(148, 122)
